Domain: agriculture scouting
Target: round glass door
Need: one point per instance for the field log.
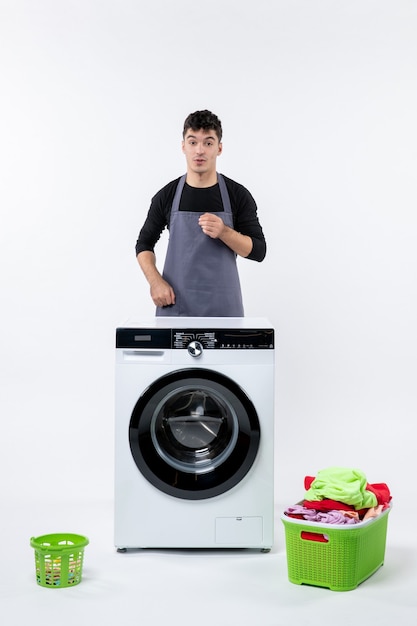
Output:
(194, 434)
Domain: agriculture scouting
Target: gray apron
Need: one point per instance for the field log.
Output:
(202, 271)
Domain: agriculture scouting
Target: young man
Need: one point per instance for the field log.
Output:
(211, 219)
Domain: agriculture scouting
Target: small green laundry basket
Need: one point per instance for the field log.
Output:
(59, 559)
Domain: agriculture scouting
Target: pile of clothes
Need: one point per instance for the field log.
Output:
(339, 495)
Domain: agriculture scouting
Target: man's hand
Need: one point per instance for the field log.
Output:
(212, 225)
(162, 293)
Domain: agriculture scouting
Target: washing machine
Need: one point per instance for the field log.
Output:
(194, 433)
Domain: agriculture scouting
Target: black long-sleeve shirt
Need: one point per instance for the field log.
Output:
(202, 200)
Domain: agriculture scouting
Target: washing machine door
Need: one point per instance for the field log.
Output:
(194, 434)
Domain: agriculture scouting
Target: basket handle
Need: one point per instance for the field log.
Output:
(311, 536)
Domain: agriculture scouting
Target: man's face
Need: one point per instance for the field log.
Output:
(201, 149)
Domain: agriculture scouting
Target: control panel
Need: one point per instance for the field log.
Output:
(240, 339)
(180, 339)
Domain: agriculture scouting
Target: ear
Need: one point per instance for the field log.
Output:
(220, 149)
(182, 145)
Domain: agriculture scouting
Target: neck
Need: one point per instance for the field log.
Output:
(205, 179)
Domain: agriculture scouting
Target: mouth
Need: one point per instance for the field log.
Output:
(199, 161)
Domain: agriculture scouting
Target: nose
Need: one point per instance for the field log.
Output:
(200, 148)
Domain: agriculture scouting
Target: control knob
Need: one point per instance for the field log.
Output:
(195, 348)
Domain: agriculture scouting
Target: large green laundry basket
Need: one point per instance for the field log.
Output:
(335, 556)
(59, 559)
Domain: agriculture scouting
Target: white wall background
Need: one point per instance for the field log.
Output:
(318, 99)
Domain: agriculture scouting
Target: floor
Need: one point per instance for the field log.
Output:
(177, 587)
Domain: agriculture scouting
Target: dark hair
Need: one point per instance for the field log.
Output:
(203, 120)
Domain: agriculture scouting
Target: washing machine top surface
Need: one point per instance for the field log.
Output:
(197, 322)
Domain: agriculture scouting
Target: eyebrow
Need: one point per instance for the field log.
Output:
(205, 138)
